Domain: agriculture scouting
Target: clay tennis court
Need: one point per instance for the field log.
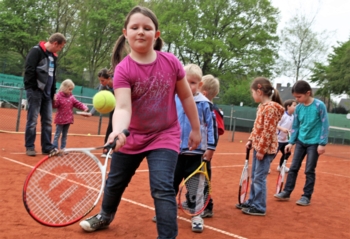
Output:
(328, 215)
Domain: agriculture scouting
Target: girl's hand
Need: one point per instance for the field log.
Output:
(120, 142)
(248, 145)
(208, 154)
(259, 156)
(321, 149)
(194, 139)
(288, 148)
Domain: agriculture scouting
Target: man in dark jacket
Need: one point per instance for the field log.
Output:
(40, 86)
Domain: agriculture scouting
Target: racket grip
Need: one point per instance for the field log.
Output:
(112, 145)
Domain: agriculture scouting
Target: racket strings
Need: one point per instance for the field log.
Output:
(64, 187)
(194, 195)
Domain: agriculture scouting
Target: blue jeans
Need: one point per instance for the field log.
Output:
(161, 164)
(38, 103)
(260, 170)
(61, 128)
(301, 150)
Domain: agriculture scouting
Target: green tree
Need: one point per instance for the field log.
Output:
(334, 76)
(300, 48)
(229, 39)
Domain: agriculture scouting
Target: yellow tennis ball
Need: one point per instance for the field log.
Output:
(103, 101)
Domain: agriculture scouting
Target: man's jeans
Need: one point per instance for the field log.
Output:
(38, 103)
(161, 164)
(260, 170)
(61, 129)
(301, 150)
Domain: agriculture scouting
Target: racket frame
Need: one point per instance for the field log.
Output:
(243, 179)
(87, 151)
(202, 169)
(282, 174)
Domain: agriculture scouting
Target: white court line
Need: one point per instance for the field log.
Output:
(148, 207)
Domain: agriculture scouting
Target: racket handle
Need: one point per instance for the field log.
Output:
(247, 153)
(112, 145)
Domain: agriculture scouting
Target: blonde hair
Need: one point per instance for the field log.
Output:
(211, 85)
(194, 70)
(65, 84)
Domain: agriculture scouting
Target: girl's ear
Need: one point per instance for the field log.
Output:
(157, 35)
(124, 33)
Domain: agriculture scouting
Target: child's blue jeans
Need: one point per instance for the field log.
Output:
(161, 164)
(302, 150)
(260, 170)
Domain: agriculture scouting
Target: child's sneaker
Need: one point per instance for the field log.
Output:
(269, 170)
(303, 201)
(278, 168)
(30, 152)
(243, 205)
(154, 219)
(105, 155)
(197, 224)
(253, 211)
(286, 169)
(282, 196)
(207, 213)
(94, 223)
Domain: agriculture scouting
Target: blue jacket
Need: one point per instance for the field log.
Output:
(204, 108)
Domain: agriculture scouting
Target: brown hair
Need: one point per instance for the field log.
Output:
(103, 73)
(263, 84)
(288, 103)
(301, 87)
(120, 49)
(57, 37)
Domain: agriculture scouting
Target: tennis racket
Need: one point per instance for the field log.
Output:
(64, 187)
(195, 190)
(244, 182)
(281, 175)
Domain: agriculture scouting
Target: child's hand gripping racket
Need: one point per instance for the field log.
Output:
(244, 182)
(281, 175)
(64, 187)
(195, 190)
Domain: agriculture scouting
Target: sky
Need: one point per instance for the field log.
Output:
(332, 16)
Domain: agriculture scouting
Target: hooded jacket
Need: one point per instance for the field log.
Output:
(37, 69)
(205, 114)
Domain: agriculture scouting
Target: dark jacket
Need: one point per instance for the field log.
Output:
(37, 69)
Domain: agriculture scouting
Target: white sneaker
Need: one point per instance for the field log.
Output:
(278, 168)
(197, 224)
(286, 169)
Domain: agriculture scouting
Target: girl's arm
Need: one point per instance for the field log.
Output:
(79, 105)
(121, 116)
(184, 93)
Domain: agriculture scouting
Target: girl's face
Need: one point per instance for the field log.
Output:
(302, 98)
(141, 33)
(104, 81)
(291, 108)
(256, 94)
(68, 90)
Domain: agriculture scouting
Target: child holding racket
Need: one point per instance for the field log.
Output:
(264, 142)
(64, 102)
(145, 83)
(210, 87)
(284, 128)
(310, 135)
(188, 161)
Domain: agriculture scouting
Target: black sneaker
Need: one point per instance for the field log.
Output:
(94, 223)
(303, 201)
(253, 211)
(242, 205)
(51, 152)
(207, 213)
(284, 196)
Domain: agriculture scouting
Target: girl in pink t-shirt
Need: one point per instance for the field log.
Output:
(145, 84)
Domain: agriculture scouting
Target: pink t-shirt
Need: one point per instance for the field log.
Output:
(154, 121)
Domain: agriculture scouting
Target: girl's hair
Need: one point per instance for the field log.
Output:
(211, 85)
(301, 87)
(120, 50)
(66, 84)
(288, 103)
(194, 70)
(263, 84)
(104, 73)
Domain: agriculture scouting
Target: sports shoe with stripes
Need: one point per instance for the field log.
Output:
(94, 223)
